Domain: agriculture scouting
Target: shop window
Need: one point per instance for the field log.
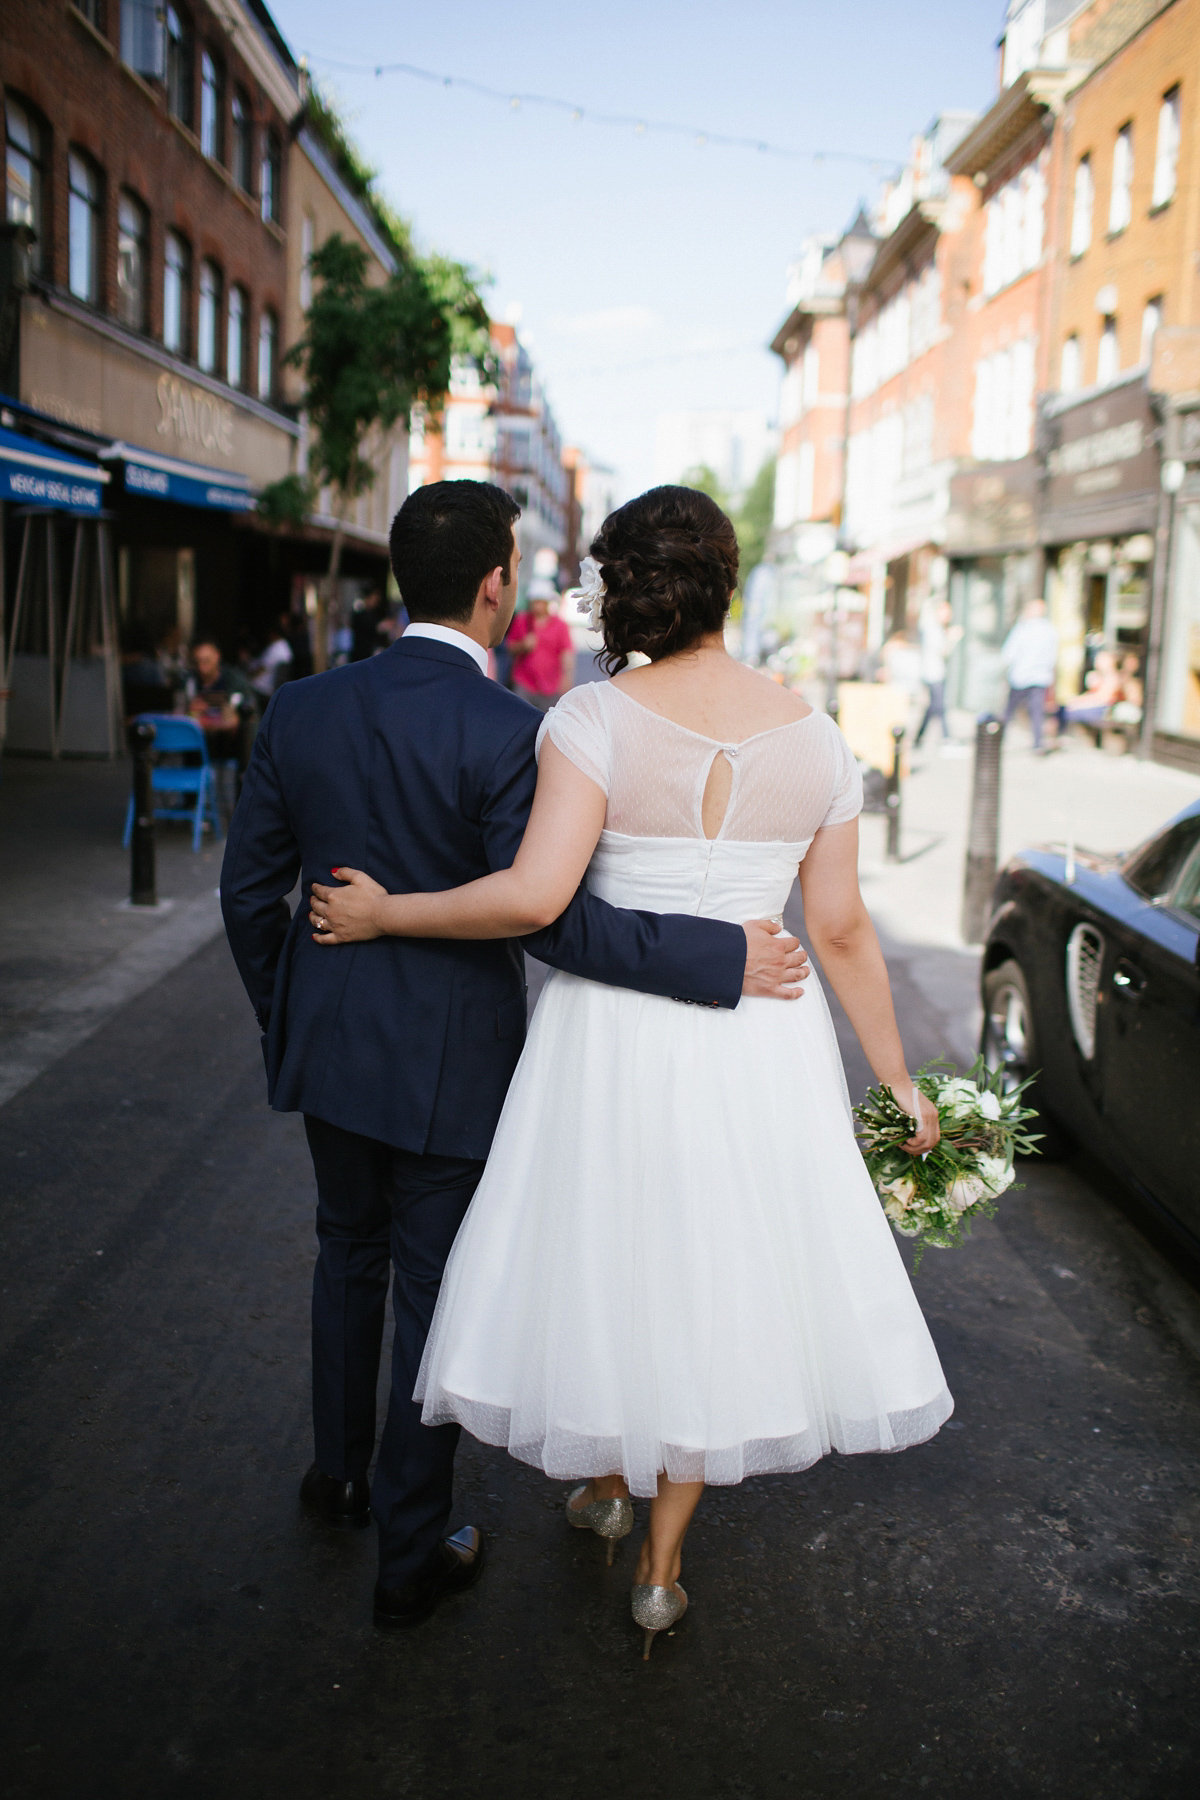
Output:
(1070, 377)
(235, 338)
(1151, 320)
(208, 320)
(1120, 200)
(179, 65)
(1108, 359)
(1166, 154)
(83, 228)
(142, 45)
(271, 173)
(132, 262)
(268, 335)
(243, 138)
(1081, 216)
(177, 293)
(24, 170)
(212, 107)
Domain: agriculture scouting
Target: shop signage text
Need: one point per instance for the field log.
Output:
(1092, 458)
(194, 416)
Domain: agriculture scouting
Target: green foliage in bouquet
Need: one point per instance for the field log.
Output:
(934, 1197)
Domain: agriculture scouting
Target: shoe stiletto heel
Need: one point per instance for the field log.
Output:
(610, 1519)
(656, 1609)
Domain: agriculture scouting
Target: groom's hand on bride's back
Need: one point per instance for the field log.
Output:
(776, 963)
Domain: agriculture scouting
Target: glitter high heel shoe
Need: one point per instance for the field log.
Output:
(611, 1519)
(656, 1609)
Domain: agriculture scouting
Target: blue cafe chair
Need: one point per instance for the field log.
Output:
(190, 786)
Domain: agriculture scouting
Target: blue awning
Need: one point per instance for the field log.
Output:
(36, 475)
(188, 484)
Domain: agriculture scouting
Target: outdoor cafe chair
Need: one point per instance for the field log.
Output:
(175, 735)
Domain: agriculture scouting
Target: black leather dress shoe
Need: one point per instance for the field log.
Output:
(346, 1505)
(455, 1565)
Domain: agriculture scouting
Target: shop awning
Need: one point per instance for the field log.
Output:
(187, 484)
(35, 475)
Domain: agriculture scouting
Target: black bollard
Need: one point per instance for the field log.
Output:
(892, 851)
(143, 886)
(984, 834)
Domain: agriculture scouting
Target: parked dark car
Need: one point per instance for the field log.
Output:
(1091, 975)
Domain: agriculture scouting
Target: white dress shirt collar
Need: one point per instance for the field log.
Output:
(446, 634)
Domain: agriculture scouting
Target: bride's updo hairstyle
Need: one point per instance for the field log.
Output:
(669, 563)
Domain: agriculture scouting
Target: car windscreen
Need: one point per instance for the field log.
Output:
(1155, 870)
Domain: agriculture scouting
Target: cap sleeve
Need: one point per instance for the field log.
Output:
(578, 726)
(847, 800)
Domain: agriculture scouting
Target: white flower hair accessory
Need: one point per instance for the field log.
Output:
(589, 595)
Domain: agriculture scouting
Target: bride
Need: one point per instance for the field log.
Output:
(675, 1270)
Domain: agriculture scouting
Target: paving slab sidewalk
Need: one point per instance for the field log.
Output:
(1079, 794)
(72, 952)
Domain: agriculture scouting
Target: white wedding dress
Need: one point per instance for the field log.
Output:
(675, 1259)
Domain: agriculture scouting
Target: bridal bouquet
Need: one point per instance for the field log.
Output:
(934, 1197)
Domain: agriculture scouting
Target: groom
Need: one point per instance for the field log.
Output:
(414, 767)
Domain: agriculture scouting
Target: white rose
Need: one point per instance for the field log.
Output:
(901, 1188)
(967, 1190)
(997, 1174)
(958, 1097)
(989, 1105)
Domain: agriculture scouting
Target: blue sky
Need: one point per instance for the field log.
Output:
(649, 270)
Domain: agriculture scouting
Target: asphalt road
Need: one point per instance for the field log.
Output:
(1008, 1611)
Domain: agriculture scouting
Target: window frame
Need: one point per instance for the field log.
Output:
(214, 89)
(1121, 217)
(126, 198)
(241, 161)
(268, 332)
(1169, 140)
(237, 316)
(271, 177)
(1085, 173)
(1109, 334)
(182, 348)
(210, 298)
(37, 157)
(85, 205)
(180, 65)
(1070, 346)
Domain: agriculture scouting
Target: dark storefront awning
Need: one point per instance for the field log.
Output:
(37, 476)
(155, 477)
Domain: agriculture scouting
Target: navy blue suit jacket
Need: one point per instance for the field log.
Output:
(415, 768)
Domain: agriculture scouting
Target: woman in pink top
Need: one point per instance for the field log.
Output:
(542, 651)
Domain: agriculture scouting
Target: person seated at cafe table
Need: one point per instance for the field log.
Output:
(222, 701)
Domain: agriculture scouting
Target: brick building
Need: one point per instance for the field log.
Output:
(504, 433)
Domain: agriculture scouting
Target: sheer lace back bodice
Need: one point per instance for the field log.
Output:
(786, 784)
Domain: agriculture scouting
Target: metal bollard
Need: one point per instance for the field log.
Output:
(143, 885)
(892, 852)
(984, 834)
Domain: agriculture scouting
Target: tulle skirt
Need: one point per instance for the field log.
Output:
(675, 1259)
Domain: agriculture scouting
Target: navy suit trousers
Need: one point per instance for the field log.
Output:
(381, 1209)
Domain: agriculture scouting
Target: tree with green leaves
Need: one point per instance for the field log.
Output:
(751, 517)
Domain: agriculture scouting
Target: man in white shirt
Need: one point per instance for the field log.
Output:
(267, 670)
(1030, 659)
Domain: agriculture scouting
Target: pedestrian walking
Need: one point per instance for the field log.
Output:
(543, 652)
(1030, 660)
(939, 634)
(702, 1286)
(399, 1054)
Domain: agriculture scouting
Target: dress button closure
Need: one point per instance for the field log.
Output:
(731, 749)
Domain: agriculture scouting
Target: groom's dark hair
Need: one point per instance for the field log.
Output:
(445, 540)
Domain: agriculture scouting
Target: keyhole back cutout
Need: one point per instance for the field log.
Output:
(717, 789)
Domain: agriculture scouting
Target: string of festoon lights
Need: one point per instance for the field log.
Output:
(579, 114)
